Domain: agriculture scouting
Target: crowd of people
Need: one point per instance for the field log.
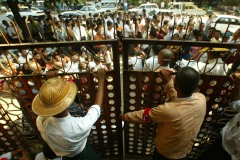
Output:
(109, 26)
(178, 121)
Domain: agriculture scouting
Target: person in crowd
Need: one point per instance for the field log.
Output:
(62, 21)
(180, 30)
(24, 56)
(174, 48)
(98, 64)
(34, 66)
(137, 61)
(59, 62)
(15, 32)
(194, 50)
(79, 32)
(235, 37)
(48, 30)
(208, 23)
(5, 31)
(217, 35)
(60, 33)
(75, 65)
(99, 36)
(178, 121)
(83, 59)
(226, 36)
(69, 31)
(110, 31)
(165, 57)
(128, 33)
(214, 64)
(170, 32)
(210, 33)
(67, 136)
(34, 29)
(178, 20)
(151, 64)
(107, 53)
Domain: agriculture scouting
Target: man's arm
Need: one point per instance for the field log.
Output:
(101, 74)
(168, 83)
(133, 117)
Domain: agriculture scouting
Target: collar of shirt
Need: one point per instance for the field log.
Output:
(186, 98)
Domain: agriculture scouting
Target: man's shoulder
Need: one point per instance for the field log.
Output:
(199, 95)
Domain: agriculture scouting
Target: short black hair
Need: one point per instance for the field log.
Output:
(187, 80)
(156, 49)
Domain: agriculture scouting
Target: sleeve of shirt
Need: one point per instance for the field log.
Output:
(39, 122)
(235, 105)
(6, 155)
(171, 92)
(134, 117)
(92, 115)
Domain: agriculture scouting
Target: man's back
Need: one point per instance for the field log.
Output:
(178, 122)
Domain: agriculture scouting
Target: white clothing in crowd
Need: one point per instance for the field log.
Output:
(79, 33)
(231, 133)
(136, 62)
(151, 63)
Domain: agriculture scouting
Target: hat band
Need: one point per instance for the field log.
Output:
(59, 98)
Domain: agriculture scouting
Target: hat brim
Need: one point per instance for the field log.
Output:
(214, 50)
(41, 110)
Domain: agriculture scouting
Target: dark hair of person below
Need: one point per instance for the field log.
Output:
(48, 153)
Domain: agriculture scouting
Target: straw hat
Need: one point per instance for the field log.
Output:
(214, 49)
(205, 49)
(55, 95)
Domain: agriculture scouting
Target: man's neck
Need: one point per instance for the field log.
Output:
(62, 114)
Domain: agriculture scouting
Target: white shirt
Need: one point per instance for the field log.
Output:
(110, 33)
(108, 59)
(100, 65)
(216, 67)
(136, 62)
(22, 59)
(231, 133)
(127, 31)
(60, 34)
(198, 66)
(76, 32)
(74, 67)
(68, 136)
(151, 63)
(91, 64)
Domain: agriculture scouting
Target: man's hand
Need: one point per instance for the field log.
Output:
(166, 75)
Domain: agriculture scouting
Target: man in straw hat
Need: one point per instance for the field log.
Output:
(215, 64)
(66, 135)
